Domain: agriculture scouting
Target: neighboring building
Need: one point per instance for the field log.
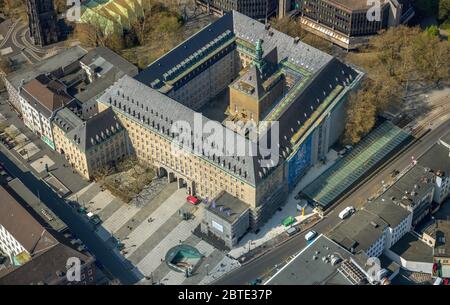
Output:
(414, 191)
(40, 99)
(226, 217)
(33, 204)
(112, 16)
(412, 254)
(65, 62)
(73, 80)
(346, 22)
(256, 9)
(42, 21)
(102, 67)
(309, 109)
(89, 144)
(363, 231)
(36, 255)
(439, 233)
(437, 159)
(398, 219)
(324, 262)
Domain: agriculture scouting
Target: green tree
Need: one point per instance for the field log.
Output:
(432, 30)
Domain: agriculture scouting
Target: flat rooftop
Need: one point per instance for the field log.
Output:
(360, 231)
(436, 158)
(411, 248)
(410, 187)
(308, 268)
(352, 5)
(228, 207)
(34, 203)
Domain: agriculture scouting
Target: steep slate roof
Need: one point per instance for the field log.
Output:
(95, 130)
(247, 29)
(152, 108)
(321, 73)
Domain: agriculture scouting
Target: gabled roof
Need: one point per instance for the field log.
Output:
(49, 95)
(158, 112)
(247, 29)
(95, 130)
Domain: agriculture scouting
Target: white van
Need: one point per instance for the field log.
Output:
(310, 235)
(346, 212)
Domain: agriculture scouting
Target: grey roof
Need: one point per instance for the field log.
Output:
(299, 53)
(68, 118)
(228, 207)
(437, 158)
(411, 248)
(60, 60)
(22, 225)
(93, 90)
(359, 232)
(442, 235)
(104, 59)
(244, 28)
(44, 267)
(95, 130)
(159, 112)
(322, 71)
(37, 205)
(410, 188)
(391, 213)
(303, 269)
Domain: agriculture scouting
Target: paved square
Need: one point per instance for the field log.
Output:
(148, 231)
(39, 164)
(28, 150)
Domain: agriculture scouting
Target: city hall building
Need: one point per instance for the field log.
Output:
(235, 73)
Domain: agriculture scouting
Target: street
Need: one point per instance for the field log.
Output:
(356, 197)
(102, 251)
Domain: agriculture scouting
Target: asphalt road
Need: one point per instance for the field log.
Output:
(263, 264)
(78, 226)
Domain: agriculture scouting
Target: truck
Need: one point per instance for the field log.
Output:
(310, 235)
(346, 212)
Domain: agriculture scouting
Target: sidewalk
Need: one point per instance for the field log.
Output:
(32, 151)
(272, 230)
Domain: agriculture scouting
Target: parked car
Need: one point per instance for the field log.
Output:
(310, 235)
(256, 281)
(291, 231)
(346, 212)
(93, 218)
(192, 200)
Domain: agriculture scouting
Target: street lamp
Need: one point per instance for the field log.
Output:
(207, 271)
